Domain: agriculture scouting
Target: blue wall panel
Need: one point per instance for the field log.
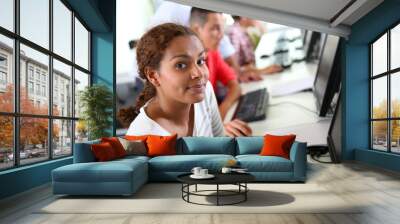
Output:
(24, 178)
(103, 65)
(377, 158)
(356, 100)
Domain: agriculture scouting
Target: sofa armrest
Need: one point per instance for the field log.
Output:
(83, 152)
(298, 155)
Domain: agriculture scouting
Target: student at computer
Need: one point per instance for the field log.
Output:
(177, 97)
(245, 48)
(209, 26)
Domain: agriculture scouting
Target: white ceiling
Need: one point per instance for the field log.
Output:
(321, 9)
(313, 15)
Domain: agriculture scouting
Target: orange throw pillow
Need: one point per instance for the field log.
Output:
(116, 145)
(103, 151)
(161, 145)
(277, 145)
(135, 138)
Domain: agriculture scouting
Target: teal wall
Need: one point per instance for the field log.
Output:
(356, 86)
(103, 66)
(24, 178)
(99, 16)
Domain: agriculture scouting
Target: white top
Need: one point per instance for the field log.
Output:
(207, 120)
(171, 12)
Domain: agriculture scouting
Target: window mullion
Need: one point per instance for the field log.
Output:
(73, 83)
(16, 83)
(389, 113)
(50, 81)
(370, 97)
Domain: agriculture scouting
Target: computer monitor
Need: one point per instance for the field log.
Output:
(327, 79)
(334, 138)
(312, 45)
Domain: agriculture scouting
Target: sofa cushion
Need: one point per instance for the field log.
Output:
(249, 145)
(185, 163)
(206, 145)
(257, 163)
(111, 171)
(131, 158)
(83, 153)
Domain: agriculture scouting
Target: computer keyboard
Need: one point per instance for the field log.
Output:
(252, 106)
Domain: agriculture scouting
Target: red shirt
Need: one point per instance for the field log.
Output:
(218, 69)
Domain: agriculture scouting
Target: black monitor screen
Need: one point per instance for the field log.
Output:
(327, 80)
(312, 45)
(335, 134)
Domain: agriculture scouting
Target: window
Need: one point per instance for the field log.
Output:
(34, 22)
(3, 72)
(7, 14)
(30, 72)
(81, 45)
(38, 89)
(55, 128)
(37, 74)
(3, 61)
(62, 74)
(62, 30)
(44, 91)
(7, 73)
(3, 78)
(385, 94)
(30, 87)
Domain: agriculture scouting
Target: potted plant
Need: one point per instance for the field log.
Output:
(96, 103)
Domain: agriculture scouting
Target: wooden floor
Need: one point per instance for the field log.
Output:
(379, 190)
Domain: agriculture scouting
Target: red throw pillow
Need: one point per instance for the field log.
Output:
(161, 145)
(116, 145)
(277, 145)
(103, 151)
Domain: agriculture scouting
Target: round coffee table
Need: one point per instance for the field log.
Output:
(238, 179)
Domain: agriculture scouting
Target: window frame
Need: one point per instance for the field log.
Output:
(388, 74)
(16, 114)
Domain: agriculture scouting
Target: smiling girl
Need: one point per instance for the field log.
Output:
(177, 97)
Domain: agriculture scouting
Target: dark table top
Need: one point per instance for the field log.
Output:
(220, 178)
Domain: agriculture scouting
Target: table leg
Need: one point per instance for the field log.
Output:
(182, 190)
(188, 190)
(217, 194)
(245, 193)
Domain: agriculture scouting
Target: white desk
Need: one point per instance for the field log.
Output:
(290, 111)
